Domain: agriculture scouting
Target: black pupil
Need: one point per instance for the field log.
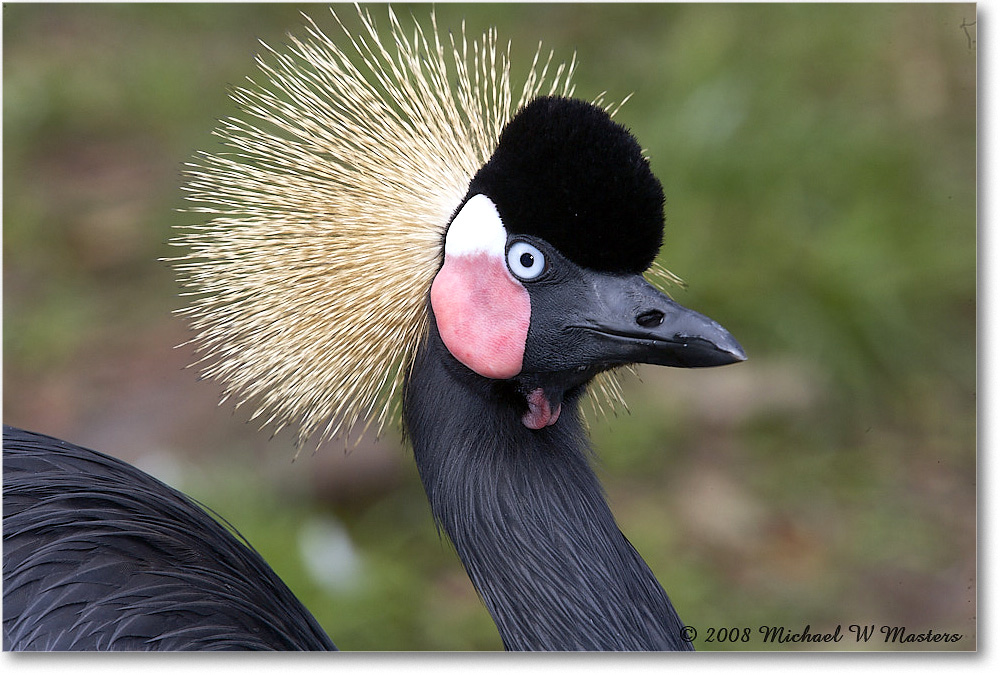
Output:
(527, 260)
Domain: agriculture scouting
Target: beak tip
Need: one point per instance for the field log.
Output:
(713, 346)
(712, 349)
(737, 352)
(728, 350)
(722, 356)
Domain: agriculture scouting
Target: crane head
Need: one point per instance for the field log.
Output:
(542, 281)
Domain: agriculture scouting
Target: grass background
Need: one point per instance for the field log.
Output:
(820, 169)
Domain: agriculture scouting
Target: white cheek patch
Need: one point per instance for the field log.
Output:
(476, 229)
(482, 312)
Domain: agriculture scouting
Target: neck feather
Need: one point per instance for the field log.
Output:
(528, 516)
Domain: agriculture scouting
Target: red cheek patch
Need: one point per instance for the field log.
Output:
(482, 314)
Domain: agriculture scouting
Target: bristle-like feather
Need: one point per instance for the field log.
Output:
(327, 215)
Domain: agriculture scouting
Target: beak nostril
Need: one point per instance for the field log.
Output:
(650, 319)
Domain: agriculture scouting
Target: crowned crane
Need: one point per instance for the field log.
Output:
(381, 239)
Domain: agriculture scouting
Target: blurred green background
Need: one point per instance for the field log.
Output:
(820, 169)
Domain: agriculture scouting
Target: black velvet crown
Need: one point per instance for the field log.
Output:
(565, 172)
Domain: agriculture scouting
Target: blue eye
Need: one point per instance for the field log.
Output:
(525, 261)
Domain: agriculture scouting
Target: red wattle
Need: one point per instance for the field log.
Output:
(540, 413)
(482, 314)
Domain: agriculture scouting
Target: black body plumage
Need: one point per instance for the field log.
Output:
(98, 555)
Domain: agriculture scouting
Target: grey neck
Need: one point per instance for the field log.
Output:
(528, 517)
